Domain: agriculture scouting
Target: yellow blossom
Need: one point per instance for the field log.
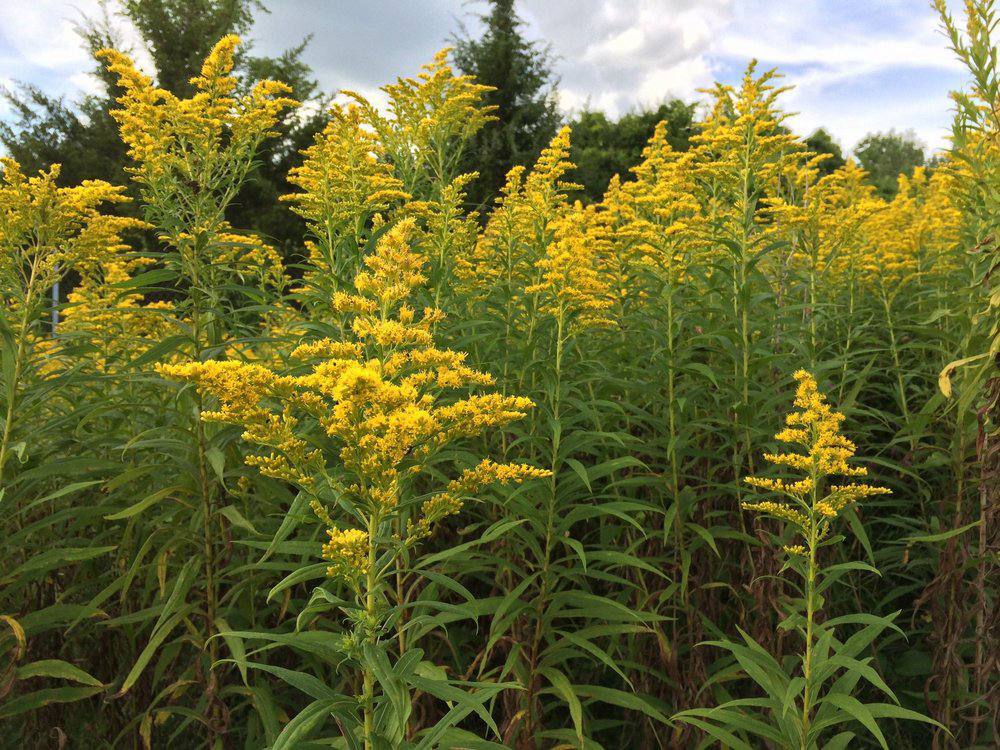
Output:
(202, 145)
(368, 411)
(347, 552)
(814, 428)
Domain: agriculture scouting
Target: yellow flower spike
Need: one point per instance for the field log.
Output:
(528, 204)
(430, 115)
(48, 230)
(915, 232)
(381, 394)
(217, 66)
(450, 501)
(814, 428)
(343, 181)
(572, 284)
(822, 451)
(205, 143)
(830, 218)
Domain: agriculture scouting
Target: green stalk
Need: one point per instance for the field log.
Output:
(903, 402)
(208, 541)
(549, 528)
(371, 582)
(19, 357)
(848, 336)
(813, 334)
(810, 615)
(672, 444)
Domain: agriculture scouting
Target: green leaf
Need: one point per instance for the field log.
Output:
(392, 686)
(622, 699)
(299, 728)
(146, 502)
(857, 710)
(942, 536)
(564, 689)
(57, 668)
(233, 515)
(892, 711)
(53, 558)
(39, 698)
(159, 635)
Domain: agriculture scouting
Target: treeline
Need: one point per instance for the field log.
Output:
(177, 34)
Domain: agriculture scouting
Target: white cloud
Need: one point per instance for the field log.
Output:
(853, 72)
(620, 54)
(43, 35)
(42, 45)
(622, 46)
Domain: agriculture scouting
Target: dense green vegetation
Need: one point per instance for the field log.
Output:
(372, 429)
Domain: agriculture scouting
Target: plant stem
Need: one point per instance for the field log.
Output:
(19, 356)
(810, 614)
(205, 485)
(672, 441)
(903, 403)
(549, 532)
(371, 582)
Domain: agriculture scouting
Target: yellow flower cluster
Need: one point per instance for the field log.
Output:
(375, 166)
(247, 395)
(449, 502)
(250, 258)
(42, 224)
(204, 144)
(117, 326)
(431, 117)
(377, 403)
(46, 230)
(447, 231)
(827, 222)
(815, 428)
(917, 231)
(347, 551)
(515, 252)
(744, 136)
(344, 181)
(572, 287)
(659, 209)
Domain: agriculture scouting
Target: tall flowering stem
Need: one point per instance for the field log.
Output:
(811, 504)
(190, 158)
(798, 708)
(358, 430)
(45, 230)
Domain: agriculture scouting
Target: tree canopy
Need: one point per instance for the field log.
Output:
(885, 156)
(603, 147)
(821, 142)
(521, 72)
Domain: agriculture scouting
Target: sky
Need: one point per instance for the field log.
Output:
(857, 66)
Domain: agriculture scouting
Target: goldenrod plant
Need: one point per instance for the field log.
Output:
(46, 231)
(965, 676)
(190, 156)
(358, 432)
(808, 707)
